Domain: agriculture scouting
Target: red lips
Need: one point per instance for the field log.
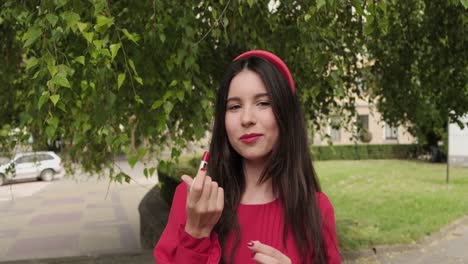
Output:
(250, 138)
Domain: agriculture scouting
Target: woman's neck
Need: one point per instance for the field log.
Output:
(256, 192)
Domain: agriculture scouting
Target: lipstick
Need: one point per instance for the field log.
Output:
(250, 138)
(204, 161)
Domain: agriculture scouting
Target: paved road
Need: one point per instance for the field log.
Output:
(73, 221)
(74, 216)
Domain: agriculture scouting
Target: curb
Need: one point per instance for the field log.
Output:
(423, 242)
(143, 257)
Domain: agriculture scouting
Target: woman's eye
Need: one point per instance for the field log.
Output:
(264, 104)
(233, 107)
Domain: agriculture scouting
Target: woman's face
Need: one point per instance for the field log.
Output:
(250, 123)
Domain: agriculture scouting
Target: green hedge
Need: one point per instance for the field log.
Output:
(362, 152)
(170, 178)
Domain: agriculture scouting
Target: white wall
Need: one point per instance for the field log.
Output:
(458, 144)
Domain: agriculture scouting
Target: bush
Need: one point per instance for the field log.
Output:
(359, 152)
(170, 178)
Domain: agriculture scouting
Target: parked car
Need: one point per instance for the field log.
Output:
(33, 165)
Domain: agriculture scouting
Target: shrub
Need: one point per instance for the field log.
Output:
(358, 152)
(170, 178)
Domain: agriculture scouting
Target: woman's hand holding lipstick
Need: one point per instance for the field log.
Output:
(205, 202)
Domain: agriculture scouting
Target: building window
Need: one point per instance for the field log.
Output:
(335, 134)
(363, 121)
(391, 132)
(335, 131)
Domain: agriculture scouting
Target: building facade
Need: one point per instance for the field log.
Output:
(371, 120)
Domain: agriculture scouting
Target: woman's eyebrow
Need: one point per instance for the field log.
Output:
(262, 95)
(236, 98)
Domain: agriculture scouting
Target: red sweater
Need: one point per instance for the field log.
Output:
(263, 222)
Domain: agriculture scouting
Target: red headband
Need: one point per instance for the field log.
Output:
(272, 58)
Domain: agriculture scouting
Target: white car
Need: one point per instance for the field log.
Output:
(34, 165)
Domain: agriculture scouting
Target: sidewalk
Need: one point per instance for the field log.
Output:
(448, 247)
(73, 217)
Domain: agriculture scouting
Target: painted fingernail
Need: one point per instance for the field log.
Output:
(204, 162)
(250, 244)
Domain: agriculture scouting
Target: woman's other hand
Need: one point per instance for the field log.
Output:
(264, 254)
(205, 203)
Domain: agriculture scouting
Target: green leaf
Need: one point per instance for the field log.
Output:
(52, 70)
(31, 36)
(88, 36)
(50, 131)
(173, 83)
(121, 176)
(71, 18)
(187, 84)
(138, 79)
(105, 52)
(320, 3)
(132, 65)
(52, 18)
(61, 106)
(133, 37)
(358, 6)
(180, 95)
(307, 17)
(61, 80)
(120, 80)
(132, 160)
(152, 170)
(80, 59)
(157, 104)
(60, 3)
(103, 23)
(114, 50)
(250, 2)
(464, 3)
(54, 98)
(82, 26)
(138, 99)
(99, 43)
(31, 62)
(99, 6)
(44, 98)
(168, 106)
(162, 37)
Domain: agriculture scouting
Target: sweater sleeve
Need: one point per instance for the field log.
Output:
(177, 246)
(329, 229)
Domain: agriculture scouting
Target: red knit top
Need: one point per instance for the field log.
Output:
(263, 222)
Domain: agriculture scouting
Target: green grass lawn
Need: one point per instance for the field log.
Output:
(381, 202)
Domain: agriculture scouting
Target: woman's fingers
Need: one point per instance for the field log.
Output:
(213, 197)
(265, 259)
(206, 192)
(266, 253)
(187, 179)
(220, 199)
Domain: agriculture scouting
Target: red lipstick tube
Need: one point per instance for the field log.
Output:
(204, 161)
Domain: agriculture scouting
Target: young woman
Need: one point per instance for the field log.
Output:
(261, 202)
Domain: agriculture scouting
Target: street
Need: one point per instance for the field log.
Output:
(73, 216)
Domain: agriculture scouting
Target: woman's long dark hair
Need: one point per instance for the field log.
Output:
(289, 165)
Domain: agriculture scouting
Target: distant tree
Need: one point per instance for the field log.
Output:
(420, 49)
(100, 75)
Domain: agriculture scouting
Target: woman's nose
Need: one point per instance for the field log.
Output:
(248, 117)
